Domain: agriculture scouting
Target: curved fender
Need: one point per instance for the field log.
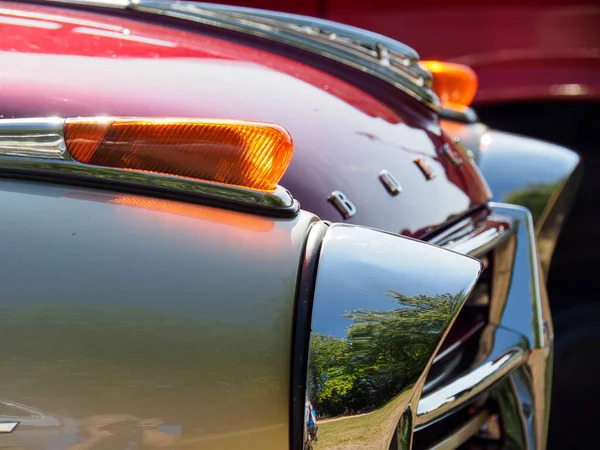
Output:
(538, 175)
(131, 319)
(382, 306)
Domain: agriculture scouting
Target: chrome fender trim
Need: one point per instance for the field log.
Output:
(36, 148)
(515, 352)
(382, 305)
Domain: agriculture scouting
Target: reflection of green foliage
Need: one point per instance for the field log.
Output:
(533, 197)
(383, 352)
(510, 414)
(332, 378)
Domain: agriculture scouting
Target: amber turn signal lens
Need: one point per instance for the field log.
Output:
(454, 84)
(248, 154)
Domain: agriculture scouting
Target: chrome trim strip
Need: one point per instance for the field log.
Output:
(36, 147)
(508, 351)
(448, 368)
(519, 334)
(33, 138)
(380, 305)
(517, 299)
(452, 348)
(380, 56)
(8, 427)
(462, 434)
(472, 239)
(520, 302)
(467, 116)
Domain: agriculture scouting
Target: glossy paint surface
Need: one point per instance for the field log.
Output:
(138, 321)
(382, 306)
(343, 137)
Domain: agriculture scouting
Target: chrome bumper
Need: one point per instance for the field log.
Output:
(388, 347)
(514, 359)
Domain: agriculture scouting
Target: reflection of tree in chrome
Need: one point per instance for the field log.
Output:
(382, 353)
(534, 197)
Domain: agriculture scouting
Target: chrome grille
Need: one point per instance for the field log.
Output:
(490, 358)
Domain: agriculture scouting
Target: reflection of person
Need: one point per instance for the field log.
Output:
(121, 431)
(311, 421)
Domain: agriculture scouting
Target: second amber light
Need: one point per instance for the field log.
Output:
(454, 84)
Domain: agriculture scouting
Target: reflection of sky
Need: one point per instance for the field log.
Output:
(361, 278)
(463, 384)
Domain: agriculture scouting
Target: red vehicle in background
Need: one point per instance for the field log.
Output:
(533, 50)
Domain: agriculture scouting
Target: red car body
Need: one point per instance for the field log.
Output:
(93, 66)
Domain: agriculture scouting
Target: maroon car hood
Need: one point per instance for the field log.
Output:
(56, 61)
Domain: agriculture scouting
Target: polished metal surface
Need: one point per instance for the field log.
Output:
(518, 339)
(468, 136)
(343, 204)
(463, 434)
(36, 147)
(7, 427)
(425, 168)
(452, 156)
(519, 302)
(382, 305)
(480, 240)
(130, 317)
(449, 367)
(467, 115)
(382, 57)
(497, 358)
(390, 182)
(34, 138)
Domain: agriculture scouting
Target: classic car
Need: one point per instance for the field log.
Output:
(229, 228)
(538, 69)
